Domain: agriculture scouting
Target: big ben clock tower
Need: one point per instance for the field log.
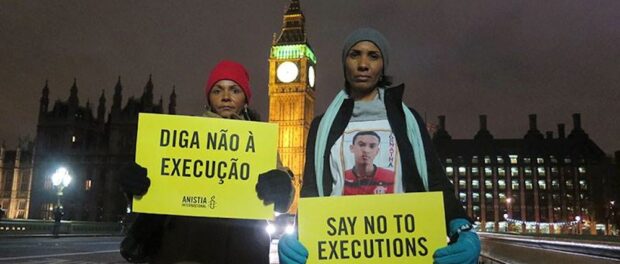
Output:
(291, 90)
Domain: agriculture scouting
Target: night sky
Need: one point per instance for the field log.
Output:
(505, 59)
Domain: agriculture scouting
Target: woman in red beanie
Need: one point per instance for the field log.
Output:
(175, 239)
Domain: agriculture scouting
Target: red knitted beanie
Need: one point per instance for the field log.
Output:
(233, 71)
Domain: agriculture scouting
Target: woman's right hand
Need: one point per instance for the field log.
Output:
(291, 251)
(133, 180)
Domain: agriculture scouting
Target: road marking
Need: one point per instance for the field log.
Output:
(61, 255)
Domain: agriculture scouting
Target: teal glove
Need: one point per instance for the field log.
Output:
(291, 251)
(466, 248)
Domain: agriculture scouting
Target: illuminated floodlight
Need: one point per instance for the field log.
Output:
(270, 229)
(61, 176)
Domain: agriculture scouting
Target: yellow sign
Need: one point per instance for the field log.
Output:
(389, 228)
(202, 166)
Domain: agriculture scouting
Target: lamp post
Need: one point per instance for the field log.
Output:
(578, 219)
(610, 218)
(508, 213)
(60, 180)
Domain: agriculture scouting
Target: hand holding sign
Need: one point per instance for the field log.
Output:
(134, 180)
(275, 187)
(466, 248)
(291, 251)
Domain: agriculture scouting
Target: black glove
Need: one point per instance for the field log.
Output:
(275, 187)
(143, 238)
(133, 180)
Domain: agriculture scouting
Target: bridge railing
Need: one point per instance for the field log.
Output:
(29, 227)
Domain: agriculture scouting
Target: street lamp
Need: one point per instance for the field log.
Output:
(578, 219)
(60, 180)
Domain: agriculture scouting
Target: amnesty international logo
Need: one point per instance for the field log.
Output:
(199, 202)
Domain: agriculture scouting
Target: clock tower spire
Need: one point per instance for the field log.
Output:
(291, 89)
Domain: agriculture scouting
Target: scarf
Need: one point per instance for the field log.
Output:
(413, 133)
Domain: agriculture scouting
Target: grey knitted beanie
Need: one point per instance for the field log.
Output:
(372, 35)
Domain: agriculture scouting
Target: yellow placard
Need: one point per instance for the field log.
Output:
(202, 166)
(389, 228)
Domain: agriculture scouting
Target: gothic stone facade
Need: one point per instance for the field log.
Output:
(92, 147)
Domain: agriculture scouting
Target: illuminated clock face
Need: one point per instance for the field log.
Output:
(287, 72)
(311, 76)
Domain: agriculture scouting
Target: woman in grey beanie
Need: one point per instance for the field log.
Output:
(368, 104)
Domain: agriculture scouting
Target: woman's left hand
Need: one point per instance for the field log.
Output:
(466, 248)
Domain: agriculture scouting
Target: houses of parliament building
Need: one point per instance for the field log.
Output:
(549, 183)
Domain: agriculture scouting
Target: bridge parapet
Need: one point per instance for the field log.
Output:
(31, 227)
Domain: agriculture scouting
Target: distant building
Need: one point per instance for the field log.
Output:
(538, 183)
(15, 180)
(92, 148)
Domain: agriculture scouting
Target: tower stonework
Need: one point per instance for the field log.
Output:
(291, 90)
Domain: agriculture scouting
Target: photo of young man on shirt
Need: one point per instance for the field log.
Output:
(365, 177)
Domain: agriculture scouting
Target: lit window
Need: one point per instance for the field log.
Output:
(501, 172)
(567, 160)
(474, 170)
(488, 184)
(527, 171)
(554, 171)
(487, 160)
(582, 170)
(475, 184)
(553, 159)
(528, 184)
(541, 171)
(463, 197)
(513, 159)
(488, 197)
(449, 171)
(515, 184)
(555, 184)
(475, 197)
(476, 208)
(501, 184)
(514, 171)
(583, 185)
(488, 171)
(88, 184)
(462, 184)
(542, 184)
(569, 184)
(462, 171)
(474, 159)
(540, 160)
(73, 139)
(502, 197)
(448, 161)
(500, 160)
(527, 160)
